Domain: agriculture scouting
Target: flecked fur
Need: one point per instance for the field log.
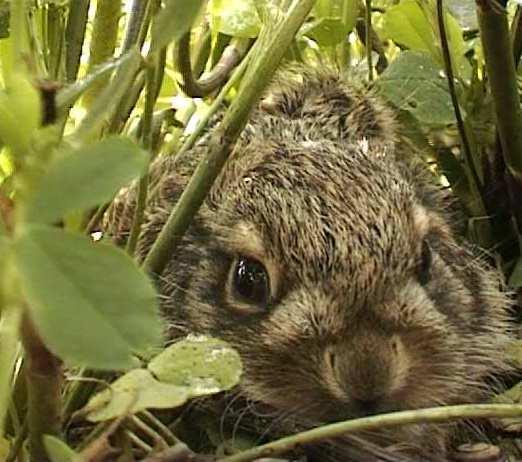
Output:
(324, 192)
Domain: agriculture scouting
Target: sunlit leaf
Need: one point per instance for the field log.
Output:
(195, 366)
(238, 18)
(205, 365)
(406, 24)
(90, 302)
(84, 178)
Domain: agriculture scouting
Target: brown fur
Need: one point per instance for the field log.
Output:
(322, 192)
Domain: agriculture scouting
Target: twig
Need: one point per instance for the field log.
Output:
(44, 378)
(430, 415)
(466, 148)
(205, 85)
(143, 184)
(225, 136)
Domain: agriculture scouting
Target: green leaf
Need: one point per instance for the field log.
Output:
(134, 392)
(413, 24)
(205, 365)
(84, 178)
(195, 366)
(238, 18)
(327, 31)
(407, 24)
(415, 83)
(19, 114)
(173, 21)
(91, 304)
(58, 451)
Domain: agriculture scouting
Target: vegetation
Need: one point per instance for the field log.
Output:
(93, 90)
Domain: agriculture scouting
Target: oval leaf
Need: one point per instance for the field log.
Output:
(407, 24)
(84, 178)
(205, 365)
(90, 302)
(238, 18)
(134, 392)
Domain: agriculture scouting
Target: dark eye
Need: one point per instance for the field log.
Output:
(250, 281)
(423, 271)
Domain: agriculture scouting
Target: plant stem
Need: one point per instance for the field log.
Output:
(500, 66)
(255, 81)
(216, 105)
(471, 171)
(432, 415)
(9, 336)
(74, 36)
(135, 22)
(368, 39)
(103, 44)
(516, 35)
(146, 130)
(104, 108)
(44, 385)
(203, 86)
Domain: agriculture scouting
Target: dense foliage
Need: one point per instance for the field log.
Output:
(92, 91)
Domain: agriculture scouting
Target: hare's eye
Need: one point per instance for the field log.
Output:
(424, 268)
(250, 280)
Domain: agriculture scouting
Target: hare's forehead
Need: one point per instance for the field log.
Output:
(325, 226)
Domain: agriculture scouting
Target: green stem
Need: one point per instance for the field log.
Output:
(105, 107)
(326, 432)
(203, 86)
(473, 178)
(54, 39)
(146, 130)
(368, 39)
(103, 43)
(135, 23)
(216, 105)
(74, 36)
(272, 46)
(500, 66)
(19, 37)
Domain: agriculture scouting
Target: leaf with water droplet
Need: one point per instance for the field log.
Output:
(195, 366)
(203, 364)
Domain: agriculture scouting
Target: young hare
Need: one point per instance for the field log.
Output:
(326, 255)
